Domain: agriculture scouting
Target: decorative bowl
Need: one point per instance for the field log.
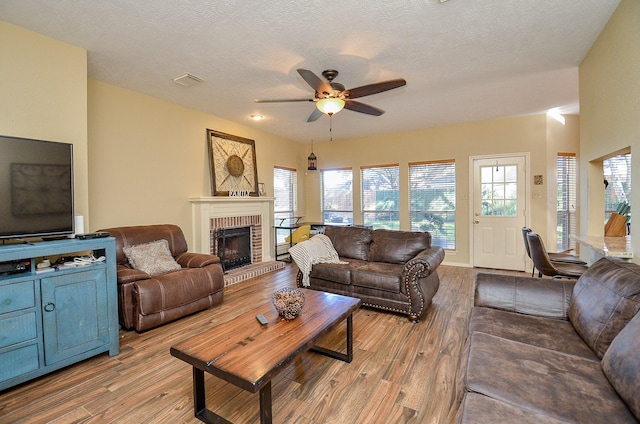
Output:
(288, 302)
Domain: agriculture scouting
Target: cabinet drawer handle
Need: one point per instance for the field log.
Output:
(49, 307)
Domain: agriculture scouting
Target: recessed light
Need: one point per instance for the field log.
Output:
(256, 117)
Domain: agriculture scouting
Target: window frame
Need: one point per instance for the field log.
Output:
(291, 191)
(393, 220)
(440, 218)
(339, 215)
(566, 200)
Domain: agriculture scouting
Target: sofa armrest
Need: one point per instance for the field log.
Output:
(126, 275)
(425, 262)
(196, 260)
(526, 295)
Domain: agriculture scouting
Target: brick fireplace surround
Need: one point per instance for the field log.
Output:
(211, 213)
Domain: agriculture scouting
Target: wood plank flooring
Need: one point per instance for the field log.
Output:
(401, 372)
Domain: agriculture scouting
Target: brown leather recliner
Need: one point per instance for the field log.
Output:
(146, 301)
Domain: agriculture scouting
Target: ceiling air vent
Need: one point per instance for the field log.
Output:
(187, 79)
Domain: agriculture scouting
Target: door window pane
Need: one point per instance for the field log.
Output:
(499, 190)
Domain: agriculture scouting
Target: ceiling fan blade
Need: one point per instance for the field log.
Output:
(314, 115)
(315, 82)
(377, 87)
(281, 100)
(362, 108)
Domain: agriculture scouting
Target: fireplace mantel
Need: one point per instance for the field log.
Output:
(203, 209)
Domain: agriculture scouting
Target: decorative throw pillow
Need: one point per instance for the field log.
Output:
(153, 258)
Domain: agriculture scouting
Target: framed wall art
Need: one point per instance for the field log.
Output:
(233, 165)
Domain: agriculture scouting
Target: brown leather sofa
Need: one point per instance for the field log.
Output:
(554, 351)
(147, 301)
(390, 270)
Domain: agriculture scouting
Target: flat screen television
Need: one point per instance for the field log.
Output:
(36, 188)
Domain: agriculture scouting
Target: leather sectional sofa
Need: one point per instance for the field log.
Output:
(554, 351)
(390, 270)
(146, 301)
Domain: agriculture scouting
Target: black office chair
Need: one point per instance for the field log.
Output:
(554, 257)
(545, 266)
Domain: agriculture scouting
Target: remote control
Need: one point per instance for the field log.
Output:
(261, 319)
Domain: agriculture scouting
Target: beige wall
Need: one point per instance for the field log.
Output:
(43, 95)
(541, 138)
(148, 157)
(610, 112)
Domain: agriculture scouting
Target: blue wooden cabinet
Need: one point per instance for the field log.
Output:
(54, 319)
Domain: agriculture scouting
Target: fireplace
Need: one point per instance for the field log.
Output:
(211, 214)
(233, 246)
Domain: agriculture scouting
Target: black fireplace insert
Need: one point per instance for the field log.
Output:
(233, 246)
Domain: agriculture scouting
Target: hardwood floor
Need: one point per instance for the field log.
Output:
(401, 372)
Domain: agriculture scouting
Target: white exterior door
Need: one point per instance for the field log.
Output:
(499, 206)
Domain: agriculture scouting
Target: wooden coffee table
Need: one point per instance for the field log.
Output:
(245, 353)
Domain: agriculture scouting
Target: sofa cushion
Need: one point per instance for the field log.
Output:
(378, 275)
(339, 273)
(153, 258)
(621, 364)
(350, 242)
(175, 289)
(554, 334)
(604, 300)
(560, 386)
(477, 408)
(397, 247)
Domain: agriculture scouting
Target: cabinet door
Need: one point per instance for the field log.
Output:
(75, 315)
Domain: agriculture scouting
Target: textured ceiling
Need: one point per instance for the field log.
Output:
(464, 60)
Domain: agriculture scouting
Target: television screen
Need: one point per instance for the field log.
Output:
(36, 188)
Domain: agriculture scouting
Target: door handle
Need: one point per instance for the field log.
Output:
(49, 307)
(476, 222)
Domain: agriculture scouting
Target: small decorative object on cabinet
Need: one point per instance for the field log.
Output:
(54, 319)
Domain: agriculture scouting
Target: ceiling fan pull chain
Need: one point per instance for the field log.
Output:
(331, 127)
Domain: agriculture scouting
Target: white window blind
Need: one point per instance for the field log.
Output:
(432, 200)
(381, 196)
(337, 196)
(567, 165)
(285, 192)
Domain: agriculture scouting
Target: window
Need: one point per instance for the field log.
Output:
(432, 200)
(381, 196)
(285, 189)
(499, 190)
(567, 200)
(337, 196)
(617, 177)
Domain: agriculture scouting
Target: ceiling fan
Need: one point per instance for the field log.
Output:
(330, 97)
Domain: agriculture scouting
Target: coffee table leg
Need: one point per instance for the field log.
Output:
(198, 391)
(348, 357)
(265, 404)
(199, 401)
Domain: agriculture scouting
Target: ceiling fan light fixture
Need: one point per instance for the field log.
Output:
(330, 105)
